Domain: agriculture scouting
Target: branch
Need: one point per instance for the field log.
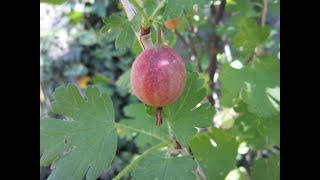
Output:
(142, 156)
(217, 13)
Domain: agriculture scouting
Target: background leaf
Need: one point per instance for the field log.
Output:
(215, 160)
(266, 169)
(249, 34)
(254, 130)
(257, 85)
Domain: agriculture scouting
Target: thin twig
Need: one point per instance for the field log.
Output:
(192, 43)
(181, 37)
(264, 12)
(191, 48)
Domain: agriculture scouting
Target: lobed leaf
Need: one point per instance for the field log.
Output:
(85, 142)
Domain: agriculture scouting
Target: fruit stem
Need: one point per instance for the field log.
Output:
(159, 116)
(158, 29)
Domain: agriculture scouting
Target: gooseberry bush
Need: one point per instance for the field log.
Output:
(212, 112)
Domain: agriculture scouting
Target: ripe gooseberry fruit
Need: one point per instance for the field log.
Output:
(158, 77)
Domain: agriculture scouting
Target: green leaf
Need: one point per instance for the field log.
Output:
(271, 129)
(162, 168)
(254, 130)
(136, 22)
(263, 92)
(215, 152)
(123, 81)
(184, 116)
(114, 20)
(266, 169)
(240, 6)
(251, 84)
(139, 119)
(105, 29)
(85, 142)
(174, 8)
(249, 34)
(150, 6)
(124, 36)
(232, 83)
(136, 48)
(54, 2)
(228, 98)
(113, 33)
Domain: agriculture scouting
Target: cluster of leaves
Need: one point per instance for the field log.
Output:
(87, 135)
(251, 83)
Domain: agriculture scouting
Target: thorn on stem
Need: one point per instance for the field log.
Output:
(159, 116)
